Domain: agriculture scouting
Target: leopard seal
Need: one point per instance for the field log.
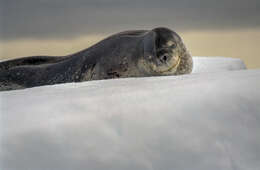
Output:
(135, 53)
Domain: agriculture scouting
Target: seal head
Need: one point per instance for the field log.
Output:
(165, 53)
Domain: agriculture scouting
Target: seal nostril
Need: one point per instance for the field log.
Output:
(165, 58)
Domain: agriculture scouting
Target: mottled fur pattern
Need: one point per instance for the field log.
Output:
(136, 53)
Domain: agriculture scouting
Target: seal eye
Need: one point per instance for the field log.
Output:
(173, 45)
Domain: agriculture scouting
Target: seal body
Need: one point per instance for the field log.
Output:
(136, 53)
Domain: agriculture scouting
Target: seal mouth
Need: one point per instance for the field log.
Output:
(174, 66)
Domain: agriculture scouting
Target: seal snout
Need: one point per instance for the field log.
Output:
(164, 58)
(186, 64)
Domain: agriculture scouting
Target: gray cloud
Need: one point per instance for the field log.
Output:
(66, 19)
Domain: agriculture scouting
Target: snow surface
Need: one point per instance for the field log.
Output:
(199, 121)
(216, 64)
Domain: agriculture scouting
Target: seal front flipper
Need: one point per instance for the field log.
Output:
(34, 60)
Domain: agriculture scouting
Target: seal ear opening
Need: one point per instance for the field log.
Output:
(149, 45)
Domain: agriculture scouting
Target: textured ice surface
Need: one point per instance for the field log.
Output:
(198, 121)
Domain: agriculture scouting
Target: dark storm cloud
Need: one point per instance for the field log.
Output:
(66, 19)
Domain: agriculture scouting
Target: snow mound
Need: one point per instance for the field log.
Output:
(197, 121)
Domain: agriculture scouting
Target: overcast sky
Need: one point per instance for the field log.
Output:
(65, 19)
